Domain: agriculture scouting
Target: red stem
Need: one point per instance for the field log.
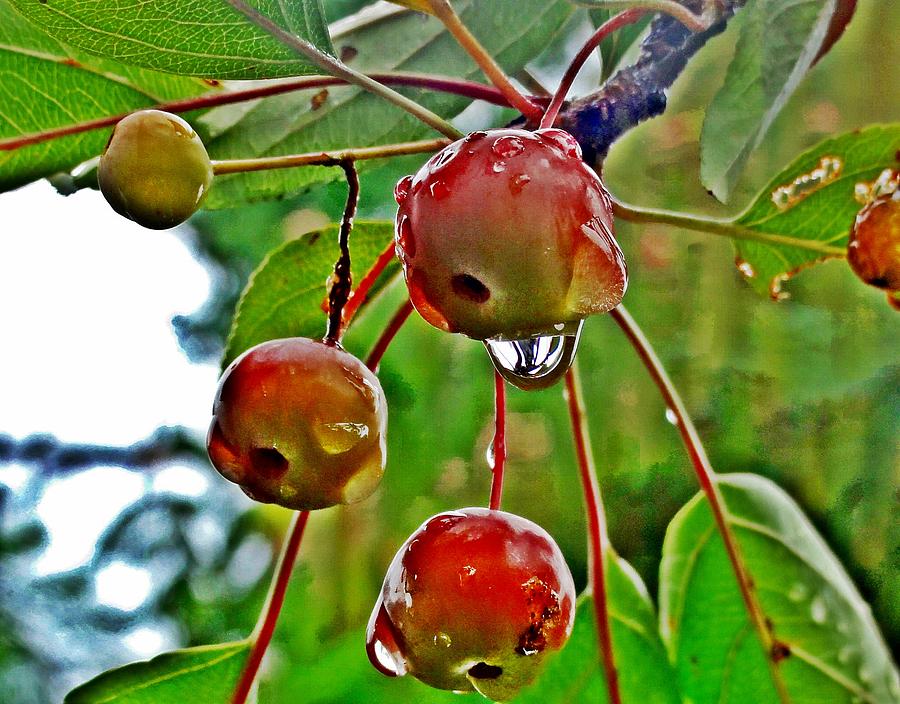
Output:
(708, 480)
(268, 618)
(468, 89)
(499, 443)
(599, 540)
(387, 335)
(607, 28)
(358, 297)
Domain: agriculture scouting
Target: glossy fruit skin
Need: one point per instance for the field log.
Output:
(299, 423)
(874, 248)
(508, 233)
(483, 589)
(155, 169)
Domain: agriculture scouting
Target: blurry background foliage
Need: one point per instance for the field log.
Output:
(804, 392)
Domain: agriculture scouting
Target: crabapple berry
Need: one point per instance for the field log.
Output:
(155, 169)
(874, 248)
(299, 423)
(474, 600)
(509, 234)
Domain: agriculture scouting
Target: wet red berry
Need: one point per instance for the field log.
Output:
(299, 423)
(508, 233)
(474, 600)
(874, 249)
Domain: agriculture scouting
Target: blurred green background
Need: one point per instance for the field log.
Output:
(804, 391)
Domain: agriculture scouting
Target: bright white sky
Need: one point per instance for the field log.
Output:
(88, 353)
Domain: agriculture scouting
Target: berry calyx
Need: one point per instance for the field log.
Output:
(299, 423)
(508, 234)
(474, 600)
(155, 169)
(874, 248)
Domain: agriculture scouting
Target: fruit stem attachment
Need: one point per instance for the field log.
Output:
(330, 158)
(607, 28)
(498, 444)
(341, 282)
(695, 23)
(598, 538)
(708, 481)
(444, 11)
(726, 228)
(335, 67)
(268, 617)
(387, 335)
(359, 294)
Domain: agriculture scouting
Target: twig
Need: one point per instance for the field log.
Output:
(341, 281)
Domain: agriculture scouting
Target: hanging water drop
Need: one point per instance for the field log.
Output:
(381, 644)
(535, 362)
(671, 416)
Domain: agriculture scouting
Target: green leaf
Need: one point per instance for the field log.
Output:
(189, 37)
(575, 674)
(206, 674)
(779, 42)
(285, 294)
(47, 84)
(829, 648)
(819, 209)
(387, 40)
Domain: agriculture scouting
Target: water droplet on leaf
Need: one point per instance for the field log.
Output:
(818, 612)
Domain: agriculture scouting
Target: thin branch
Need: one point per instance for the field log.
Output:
(726, 228)
(268, 617)
(341, 282)
(442, 84)
(696, 23)
(498, 444)
(388, 334)
(708, 480)
(329, 158)
(597, 534)
(621, 20)
(334, 67)
(444, 11)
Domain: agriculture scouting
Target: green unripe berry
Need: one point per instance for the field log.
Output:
(155, 169)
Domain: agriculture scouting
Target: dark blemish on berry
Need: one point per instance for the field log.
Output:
(879, 282)
(483, 671)
(780, 651)
(468, 287)
(318, 100)
(268, 462)
(348, 53)
(544, 611)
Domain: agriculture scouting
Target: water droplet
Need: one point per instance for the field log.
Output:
(787, 196)
(671, 416)
(508, 146)
(381, 643)
(535, 362)
(336, 438)
(865, 674)
(745, 267)
(442, 639)
(439, 189)
(443, 157)
(401, 190)
(798, 592)
(845, 654)
(498, 167)
(405, 240)
(489, 456)
(818, 612)
(563, 141)
(519, 182)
